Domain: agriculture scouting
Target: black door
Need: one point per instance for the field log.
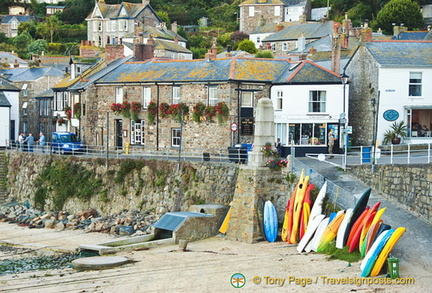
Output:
(119, 131)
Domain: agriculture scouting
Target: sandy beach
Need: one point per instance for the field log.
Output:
(207, 265)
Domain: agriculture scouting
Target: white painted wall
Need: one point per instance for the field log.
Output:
(393, 89)
(4, 125)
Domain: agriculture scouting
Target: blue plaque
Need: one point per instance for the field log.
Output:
(391, 115)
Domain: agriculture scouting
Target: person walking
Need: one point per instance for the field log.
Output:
(278, 146)
(42, 141)
(331, 140)
(30, 142)
(21, 139)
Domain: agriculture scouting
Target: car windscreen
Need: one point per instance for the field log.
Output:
(69, 138)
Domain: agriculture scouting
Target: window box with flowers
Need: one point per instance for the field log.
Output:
(135, 108)
(222, 111)
(152, 110)
(198, 111)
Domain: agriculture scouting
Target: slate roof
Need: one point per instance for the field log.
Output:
(310, 30)
(401, 53)
(11, 58)
(30, 74)
(5, 85)
(162, 34)
(273, 2)
(68, 82)
(220, 70)
(20, 18)
(411, 36)
(170, 46)
(307, 72)
(4, 102)
(112, 11)
(46, 94)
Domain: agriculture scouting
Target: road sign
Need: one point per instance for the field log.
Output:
(234, 127)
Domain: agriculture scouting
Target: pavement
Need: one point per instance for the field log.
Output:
(414, 246)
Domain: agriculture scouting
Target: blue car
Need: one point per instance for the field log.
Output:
(66, 142)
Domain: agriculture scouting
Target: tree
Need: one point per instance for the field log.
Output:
(399, 12)
(36, 47)
(248, 46)
(49, 27)
(29, 26)
(264, 54)
(22, 40)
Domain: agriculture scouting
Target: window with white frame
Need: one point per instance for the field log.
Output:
(113, 25)
(176, 95)
(146, 96)
(24, 108)
(415, 84)
(258, 40)
(108, 26)
(284, 46)
(175, 137)
(273, 46)
(277, 10)
(95, 26)
(212, 96)
(119, 95)
(24, 90)
(137, 132)
(14, 24)
(247, 99)
(123, 25)
(317, 101)
(251, 11)
(100, 26)
(279, 99)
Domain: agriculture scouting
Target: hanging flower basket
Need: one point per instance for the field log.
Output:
(198, 111)
(77, 110)
(68, 112)
(135, 108)
(164, 110)
(177, 110)
(116, 108)
(209, 113)
(61, 121)
(125, 109)
(222, 111)
(152, 109)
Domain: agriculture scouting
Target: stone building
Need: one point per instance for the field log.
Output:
(256, 13)
(109, 23)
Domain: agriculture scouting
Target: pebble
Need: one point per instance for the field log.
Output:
(122, 223)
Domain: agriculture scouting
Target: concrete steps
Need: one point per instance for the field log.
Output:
(3, 177)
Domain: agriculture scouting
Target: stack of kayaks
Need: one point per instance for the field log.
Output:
(359, 228)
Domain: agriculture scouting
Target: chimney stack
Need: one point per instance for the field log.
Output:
(114, 52)
(174, 27)
(279, 27)
(336, 54)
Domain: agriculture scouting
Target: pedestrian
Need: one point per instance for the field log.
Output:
(42, 141)
(30, 142)
(278, 146)
(331, 140)
(21, 139)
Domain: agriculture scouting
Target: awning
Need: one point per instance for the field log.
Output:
(418, 107)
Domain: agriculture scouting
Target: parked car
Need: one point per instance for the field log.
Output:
(66, 142)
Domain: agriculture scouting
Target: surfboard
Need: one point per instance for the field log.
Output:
(357, 211)
(373, 253)
(394, 238)
(297, 209)
(270, 221)
(305, 212)
(312, 227)
(287, 223)
(318, 234)
(342, 229)
(318, 203)
(224, 226)
(356, 238)
(356, 225)
(260, 214)
(370, 236)
(331, 231)
(382, 228)
(362, 244)
(369, 222)
(291, 208)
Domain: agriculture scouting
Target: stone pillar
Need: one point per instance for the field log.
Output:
(264, 131)
(253, 180)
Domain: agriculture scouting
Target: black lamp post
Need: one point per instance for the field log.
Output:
(343, 119)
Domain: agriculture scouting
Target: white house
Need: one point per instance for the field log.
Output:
(390, 82)
(308, 101)
(9, 112)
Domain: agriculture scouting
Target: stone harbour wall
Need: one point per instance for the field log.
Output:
(410, 185)
(158, 186)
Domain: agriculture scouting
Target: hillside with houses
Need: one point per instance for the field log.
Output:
(135, 82)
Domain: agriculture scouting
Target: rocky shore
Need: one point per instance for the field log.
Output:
(124, 223)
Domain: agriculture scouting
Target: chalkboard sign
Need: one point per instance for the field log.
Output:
(247, 126)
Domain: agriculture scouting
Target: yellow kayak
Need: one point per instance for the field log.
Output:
(331, 231)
